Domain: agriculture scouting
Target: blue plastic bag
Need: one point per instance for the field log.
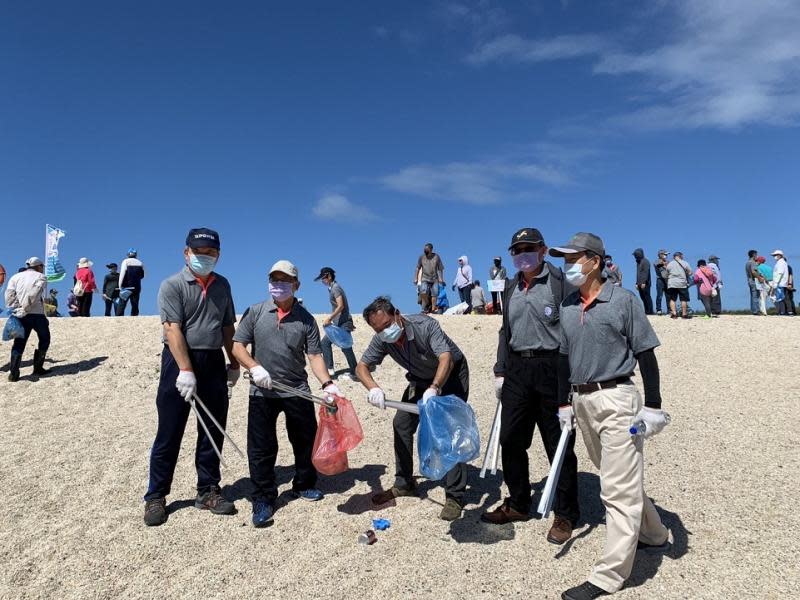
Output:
(13, 329)
(341, 337)
(125, 293)
(448, 435)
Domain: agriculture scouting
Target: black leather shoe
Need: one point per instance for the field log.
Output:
(584, 591)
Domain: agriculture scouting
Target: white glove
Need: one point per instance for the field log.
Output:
(330, 391)
(233, 375)
(260, 377)
(430, 392)
(186, 384)
(498, 387)
(655, 420)
(377, 398)
(566, 416)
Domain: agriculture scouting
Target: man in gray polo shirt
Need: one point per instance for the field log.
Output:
(281, 333)
(428, 276)
(340, 317)
(604, 334)
(198, 319)
(526, 383)
(436, 367)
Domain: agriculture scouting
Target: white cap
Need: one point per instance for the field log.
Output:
(34, 261)
(776, 252)
(84, 262)
(284, 266)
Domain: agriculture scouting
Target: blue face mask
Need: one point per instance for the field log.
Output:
(574, 274)
(391, 334)
(202, 265)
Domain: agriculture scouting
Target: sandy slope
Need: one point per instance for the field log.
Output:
(73, 462)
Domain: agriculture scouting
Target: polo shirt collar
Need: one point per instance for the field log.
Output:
(409, 329)
(605, 292)
(272, 307)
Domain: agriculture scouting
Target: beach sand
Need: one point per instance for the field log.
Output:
(74, 456)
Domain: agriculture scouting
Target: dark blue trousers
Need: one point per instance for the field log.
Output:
(41, 326)
(173, 412)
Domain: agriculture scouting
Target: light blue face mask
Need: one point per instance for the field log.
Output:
(574, 274)
(391, 334)
(201, 264)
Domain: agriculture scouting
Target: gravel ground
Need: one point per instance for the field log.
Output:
(74, 452)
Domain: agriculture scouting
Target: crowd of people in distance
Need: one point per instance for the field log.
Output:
(674, 278)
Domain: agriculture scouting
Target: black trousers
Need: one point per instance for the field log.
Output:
(85, 305)
(41, 326)
(405, 426)
(465, 293)
(496, 296)
(790, 300)
(134, 300)
(530, 399)
(647, 300)
(716, 303)
(173, 413)
(262, 443)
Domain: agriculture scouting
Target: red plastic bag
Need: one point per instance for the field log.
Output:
(337, 433)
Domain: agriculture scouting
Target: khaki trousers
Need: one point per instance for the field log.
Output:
(604, 418)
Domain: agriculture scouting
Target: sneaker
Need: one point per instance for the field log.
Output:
(659, 313)
(155, 512)
(215, 502)
(347, 377)
(584, 591)
(331, 372)
(504, 514)
(451, 510)
(392, 493)
(262, 513)
(560, 532)
(311, 494)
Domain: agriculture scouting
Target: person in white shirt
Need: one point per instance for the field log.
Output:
(25, 297)
(464, 283)
(780, 281)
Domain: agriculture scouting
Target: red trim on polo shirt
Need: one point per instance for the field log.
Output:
(586, 302)
(204, 285)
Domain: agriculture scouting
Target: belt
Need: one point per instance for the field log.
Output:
(535, 353)
(588, 388)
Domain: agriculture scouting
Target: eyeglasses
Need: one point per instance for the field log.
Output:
(525, 248)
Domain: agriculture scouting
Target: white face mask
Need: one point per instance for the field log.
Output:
(574, 274)
(391, 334)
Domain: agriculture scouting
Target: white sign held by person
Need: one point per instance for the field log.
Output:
(497, 285)
(54, 270)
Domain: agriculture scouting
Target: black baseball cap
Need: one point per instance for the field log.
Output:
(111, 265)
(528, 235)
(202, 237)
(325, 271)
(580, 242)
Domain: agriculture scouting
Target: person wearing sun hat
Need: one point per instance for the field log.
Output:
(605, 333)
(84, 281)
(780, 281)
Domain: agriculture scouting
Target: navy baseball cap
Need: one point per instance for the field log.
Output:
(202, 238)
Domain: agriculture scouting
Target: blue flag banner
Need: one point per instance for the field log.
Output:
(53, 270)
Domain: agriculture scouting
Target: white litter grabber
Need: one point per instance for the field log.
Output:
(408, 407)
(302, 394)
(549, 492)
(493, 447)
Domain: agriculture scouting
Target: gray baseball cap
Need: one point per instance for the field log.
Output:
(580, 242)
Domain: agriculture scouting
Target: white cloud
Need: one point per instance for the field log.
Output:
(336, 207)
(514, 48)
(725, 65)
(480, 183)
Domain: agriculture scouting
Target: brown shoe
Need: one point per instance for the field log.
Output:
(392, 493)
(560, 532)
(503, 514)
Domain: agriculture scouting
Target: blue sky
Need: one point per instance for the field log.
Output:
(349, 134)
